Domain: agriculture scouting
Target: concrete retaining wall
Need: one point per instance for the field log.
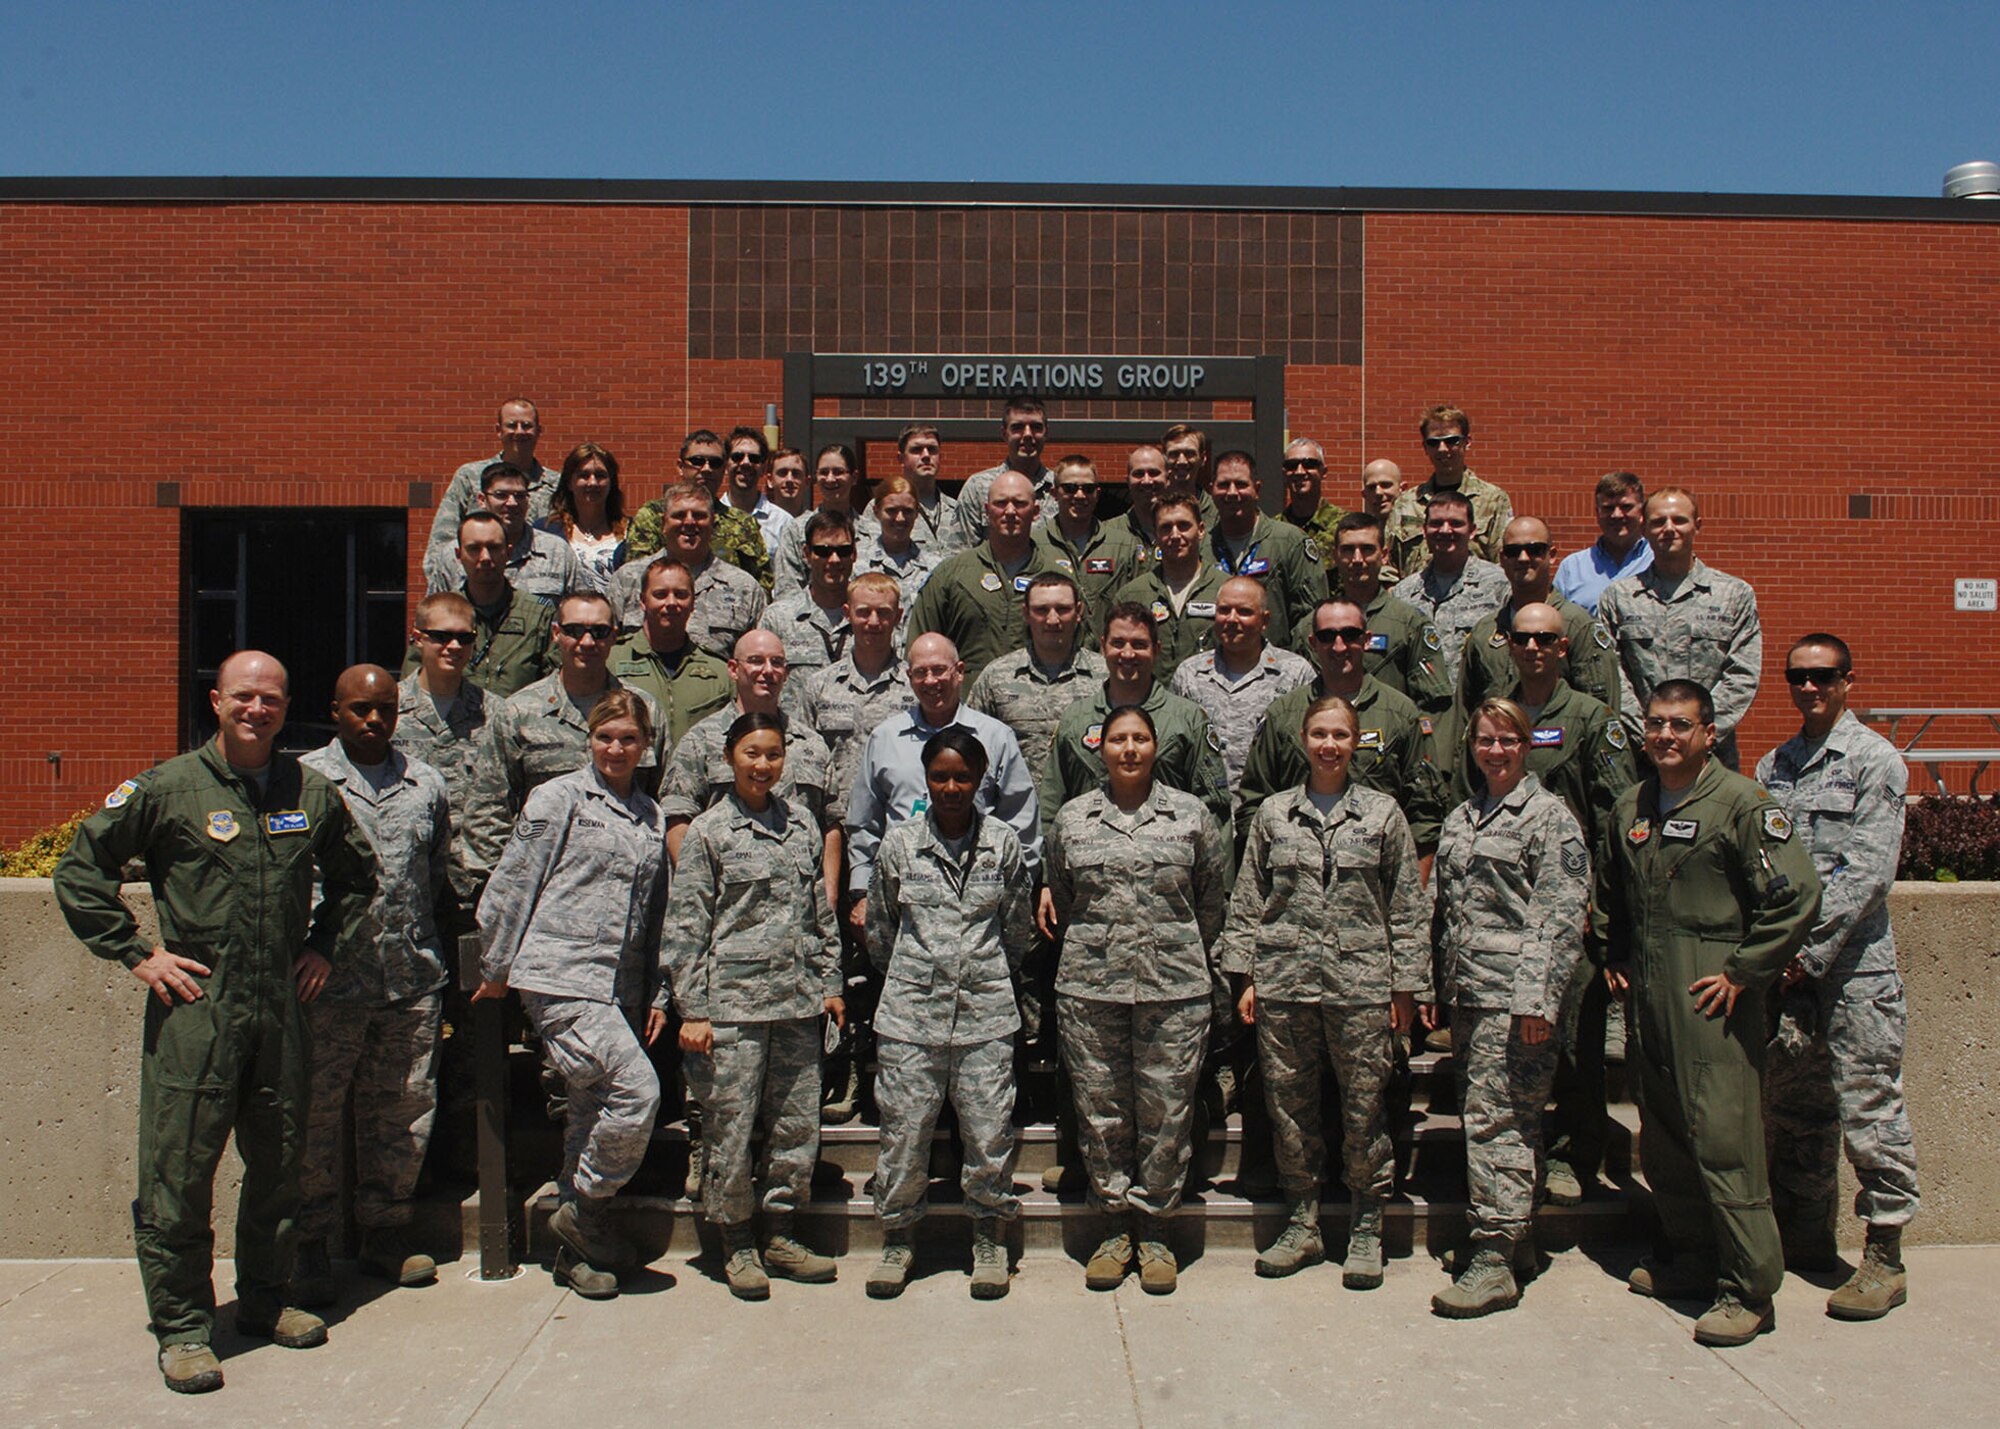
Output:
(69, 1064)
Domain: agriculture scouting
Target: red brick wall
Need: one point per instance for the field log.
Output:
(329, 354)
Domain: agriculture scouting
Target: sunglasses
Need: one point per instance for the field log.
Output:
(1540, 639)
(1824, 676)
(1352, 634)
(712, 463)
(1444, 444)
(448, 637)
(1076, 488)
(744, 458)
(577, 630)
(827, 551)
(1302, 463)
(1514, 550)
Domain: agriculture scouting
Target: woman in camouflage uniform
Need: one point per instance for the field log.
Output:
(1137, 881)
(1329, 939)
(753, 956)
(1513, 880)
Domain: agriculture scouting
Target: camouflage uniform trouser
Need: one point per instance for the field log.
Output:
(912, 1083)
(614, 1093)
(761, 1079)
(387, 1056)
(1134, 1070)
(1295, 1040)
(1845, 1085)
(1503, 1087)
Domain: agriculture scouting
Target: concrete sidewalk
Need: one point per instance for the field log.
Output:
(1227, 1349)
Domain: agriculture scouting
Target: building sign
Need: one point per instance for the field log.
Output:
(1976, 594)
(1087, 378)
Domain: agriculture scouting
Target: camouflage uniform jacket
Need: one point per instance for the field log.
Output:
(461, 499)
(1491, 511)
(540, 563)
(911, 573)
(1109, 558)
(843, 707)
(1180, 633)
(1513, 883)
(738, 538)
(1288, 563)
(574, 905)
(1029, 699)
(937, 529)
(950, 933)
(1706, 630)
(1189, 759)
(1454, 606)
(749, 934)
(975, 604)
(532, 738)
(814, 638)
(1847, 795)
(1486, 669)
(1236, 709)
(400, 952)
(1142, 896)
(449, 744)
(1405, 651)
(726, 603)
(1319, 527)
(1394, 756)
(1579, 752)
(512, 647)
(1330, 908)
(684, 691)
(968, 527)
(698, 775)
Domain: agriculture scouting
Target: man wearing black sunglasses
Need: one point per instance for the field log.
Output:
(1447, 436)
(543, 730)
(1834, 1073)
(1486, 669)
(813, 622)
(510, 627)
(737, 538)
(1306, 506)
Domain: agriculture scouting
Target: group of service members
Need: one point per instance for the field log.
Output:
(1193, 791)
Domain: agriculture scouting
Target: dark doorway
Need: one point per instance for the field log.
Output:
(320, 589)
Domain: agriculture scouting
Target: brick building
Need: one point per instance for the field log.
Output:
(248, 394)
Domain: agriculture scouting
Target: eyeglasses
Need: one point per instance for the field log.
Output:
(1076, 488)
(1302, 463)
(1655, 724)
(508, 497)
(1444, 444)
(1540, 639)
(1352, 634)
(1496, 741)
(578, 630)
(828, 550)
(1824, 676)
(1514, 550)
(713, 463)
(448, 637)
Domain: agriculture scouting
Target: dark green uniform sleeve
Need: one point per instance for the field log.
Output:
(86, 878)
(1784, 893)
(1276, 762)
(1608, 940)
(1424, 791)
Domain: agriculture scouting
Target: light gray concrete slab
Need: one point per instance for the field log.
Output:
(17, 1277)
(1047, 1354)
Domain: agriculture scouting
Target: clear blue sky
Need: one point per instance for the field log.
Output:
(1836, 97)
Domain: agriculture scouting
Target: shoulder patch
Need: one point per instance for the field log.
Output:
(1576, 862)
(1161, 610)
(1601, 633)
(222, 825)
(1497, 639)
(1640, 831)
(1424, 722)
(1063, 563)
(989, 581)
(1312, 550)
(1776, 824)
(1614, 733)
(1432, 640)
(1214, 741)
(117, 797)
(1093, 737)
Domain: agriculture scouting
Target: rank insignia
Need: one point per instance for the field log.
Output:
(117, 797)
(287, 821)
(1777, 825)
(1576, 862)
(1639, 832)
(222, 825)
(1682, 829)
(989, 581)
(1093, 737)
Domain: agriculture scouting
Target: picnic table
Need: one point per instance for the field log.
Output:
(1931, 759)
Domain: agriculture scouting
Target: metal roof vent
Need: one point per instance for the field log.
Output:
(1978, 179)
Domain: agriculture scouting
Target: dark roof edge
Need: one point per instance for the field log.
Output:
(1151, 196)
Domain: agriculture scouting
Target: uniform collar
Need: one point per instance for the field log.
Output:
(1841, 739)
(345, 773)
(742, 819)
(1699, 577)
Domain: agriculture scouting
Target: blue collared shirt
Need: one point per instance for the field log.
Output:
(1583, 575)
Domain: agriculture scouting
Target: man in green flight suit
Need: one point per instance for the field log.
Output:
(230, 835)
(1703, 895)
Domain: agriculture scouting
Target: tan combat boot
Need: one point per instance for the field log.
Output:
(1159, 1272)
(892, 1272)
(294, 1329)
(743, 1267)
(190, 1369)
(989, 1259)
(789, 1259)
(387, 1254)
(1298, 1245)
(1362, 1270)
(1484, 1286)
(1112, 1260)
(1731, 1321)
(1879, 1284)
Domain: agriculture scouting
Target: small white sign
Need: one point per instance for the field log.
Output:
(1976, 594)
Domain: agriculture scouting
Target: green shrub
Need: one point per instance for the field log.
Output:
(1950, 838)
(37, 857)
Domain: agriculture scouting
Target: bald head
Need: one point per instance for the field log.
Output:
(1539, 648)
(937, 674)
(359, 680)
(1526, 528)
(1528, 559)
(1381, 480)
(250, 697)
(758, 668)
(252, 664)
(364, 712)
